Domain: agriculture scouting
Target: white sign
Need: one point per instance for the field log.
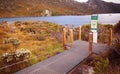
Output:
(95, 37)
(94, 22)
(94, 27)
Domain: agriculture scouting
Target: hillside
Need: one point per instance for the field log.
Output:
(17, 8)
(100, 6)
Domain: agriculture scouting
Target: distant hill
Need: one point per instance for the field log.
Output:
(100, 6)
(19, 8)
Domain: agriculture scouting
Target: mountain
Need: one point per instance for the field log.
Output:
(19, 8)
(100, 6)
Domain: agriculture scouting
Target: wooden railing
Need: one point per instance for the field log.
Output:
(79, 34)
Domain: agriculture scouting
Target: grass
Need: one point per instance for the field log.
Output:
(34, 36)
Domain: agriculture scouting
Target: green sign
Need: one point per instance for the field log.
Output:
(94, 22)
(94, 17)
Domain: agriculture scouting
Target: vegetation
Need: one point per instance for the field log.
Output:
(27, 43)
(101, 66)
(32, 42)
(108, 61)
(115, 48)
(103, 32)
(20, 54)
(19, 8)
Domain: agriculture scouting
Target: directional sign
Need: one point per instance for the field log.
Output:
(94, 22)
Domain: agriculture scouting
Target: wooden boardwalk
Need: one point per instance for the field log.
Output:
(64, 62)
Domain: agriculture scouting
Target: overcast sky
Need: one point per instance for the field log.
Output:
(115, 1)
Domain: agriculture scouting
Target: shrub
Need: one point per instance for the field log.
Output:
(85, 31)
(14, 41)
(116, 43)
(57, 36)
(107, 26)
(7, 57)
(17, 23)
(40, 37)
(101, 66)
(116, 47)
(117, 28)
(20, 54)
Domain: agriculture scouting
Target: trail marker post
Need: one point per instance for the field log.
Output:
(94, 27)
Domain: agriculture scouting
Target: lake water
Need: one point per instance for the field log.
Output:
(70, 20)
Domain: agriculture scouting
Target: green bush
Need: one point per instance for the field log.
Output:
(101, 66)
(20, 54)
(14, 41)
(85, 31)
(116, 48)
(116, 42)
(117, 28)
(40, 37)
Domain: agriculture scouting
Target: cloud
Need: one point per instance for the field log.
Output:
(114, 1)
(81, 0)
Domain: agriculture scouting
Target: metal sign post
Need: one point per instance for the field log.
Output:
(94, 27)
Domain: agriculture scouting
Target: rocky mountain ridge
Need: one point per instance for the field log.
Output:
(19, 8)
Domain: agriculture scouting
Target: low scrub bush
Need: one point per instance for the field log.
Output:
(40, 37)
(57, 36)
(14, 41)
(20, 54)
(115, 48)
(116, 43)
(101, 66)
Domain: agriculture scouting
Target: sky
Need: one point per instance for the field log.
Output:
(115, 1)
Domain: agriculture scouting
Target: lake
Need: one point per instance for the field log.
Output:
(70, 20)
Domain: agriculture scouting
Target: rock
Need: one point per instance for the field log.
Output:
(85, 69)
(46, 13)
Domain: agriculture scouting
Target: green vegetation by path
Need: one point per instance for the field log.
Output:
(103, 32)
(107, 62)
(41, 39)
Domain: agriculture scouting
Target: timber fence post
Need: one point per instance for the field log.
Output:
(90, 42)
(64, 38)
(79, 32)
(71, 38)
